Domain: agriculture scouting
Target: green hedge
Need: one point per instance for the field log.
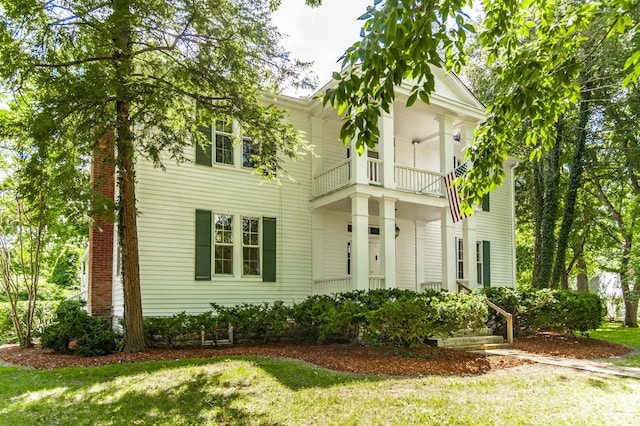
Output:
(557, 310)
(397, 317)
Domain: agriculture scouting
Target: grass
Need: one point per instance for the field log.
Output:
(264, 391)
(617, 333)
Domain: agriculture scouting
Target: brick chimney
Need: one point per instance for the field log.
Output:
(101, 235)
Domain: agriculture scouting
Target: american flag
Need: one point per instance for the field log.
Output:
(452, 192)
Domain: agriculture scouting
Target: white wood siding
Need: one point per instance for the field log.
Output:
(166, 229)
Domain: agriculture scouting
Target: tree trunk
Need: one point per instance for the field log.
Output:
(538, 183)
(575, 181)
(631, 313)
(583, 278)
(127, 221)
(550, 210)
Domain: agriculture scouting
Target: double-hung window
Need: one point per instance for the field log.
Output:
(223, 244)
(249, 149)
(224, 141)
(250, 246)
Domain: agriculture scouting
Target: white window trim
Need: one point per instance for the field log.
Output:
(259, 246)
(232, 245)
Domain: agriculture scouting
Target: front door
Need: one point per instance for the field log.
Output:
(374, 257)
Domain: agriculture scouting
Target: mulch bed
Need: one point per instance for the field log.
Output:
(346, 358)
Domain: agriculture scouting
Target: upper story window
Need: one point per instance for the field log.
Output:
(249, 149)
(224, 140)
(221, 148)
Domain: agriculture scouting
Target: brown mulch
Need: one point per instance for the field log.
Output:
(574, 347)
(346, 358)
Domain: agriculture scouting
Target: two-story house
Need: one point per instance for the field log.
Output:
(210, 231)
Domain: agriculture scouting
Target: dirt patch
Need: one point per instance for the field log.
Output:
(346, 358)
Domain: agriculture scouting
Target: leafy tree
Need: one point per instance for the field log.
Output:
(537, 79)
(136, 69)
(39, 179)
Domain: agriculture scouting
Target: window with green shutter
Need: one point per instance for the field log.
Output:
(203, 245)
(269, 249)
(486, 263)
(204, 154)
(485, 202)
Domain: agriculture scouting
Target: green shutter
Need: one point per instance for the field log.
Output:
(269, 249)
(485, 202)
(203, 245)
(205, 154)
(486, 263)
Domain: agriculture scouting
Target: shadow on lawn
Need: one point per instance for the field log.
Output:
(196, 391)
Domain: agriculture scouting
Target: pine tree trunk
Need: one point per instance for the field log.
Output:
(127, 220)
(575, 181)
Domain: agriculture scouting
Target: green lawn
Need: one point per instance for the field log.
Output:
(253, 390)
(615, 332)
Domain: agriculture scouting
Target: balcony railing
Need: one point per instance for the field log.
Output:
(374, 171)
(335, 178)
(406, 178)
(418, 180)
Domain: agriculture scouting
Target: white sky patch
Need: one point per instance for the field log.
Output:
(320, 35)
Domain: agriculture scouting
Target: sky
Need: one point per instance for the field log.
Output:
(320, 34)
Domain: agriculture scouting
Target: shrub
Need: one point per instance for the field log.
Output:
(254, 322)
(559, 310)
(411, 320)
(93, 335)
(43, 316)
(174, 331)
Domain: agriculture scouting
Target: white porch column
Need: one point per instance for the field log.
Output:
(469, 251)
(387, 207)
(358, 165)
(360, 241)
(317, 129)
(448, 251)
(420, 256)
(448, 229)
(317, 244)
(446, 143)
(386, 147)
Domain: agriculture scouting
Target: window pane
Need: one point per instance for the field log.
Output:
(248, 149)
(224, 125)
(224, 260)
(251, 247)
(251, 260)
(224, 149)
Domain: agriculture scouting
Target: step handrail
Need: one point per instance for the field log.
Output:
(498, 309)
(507, 315)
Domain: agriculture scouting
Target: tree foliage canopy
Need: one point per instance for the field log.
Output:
(534, 45)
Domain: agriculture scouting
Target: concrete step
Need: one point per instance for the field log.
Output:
(467, 341)
(485, 331)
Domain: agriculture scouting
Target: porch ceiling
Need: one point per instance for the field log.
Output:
(404, 210)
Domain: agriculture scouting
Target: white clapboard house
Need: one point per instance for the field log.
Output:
(210, 231)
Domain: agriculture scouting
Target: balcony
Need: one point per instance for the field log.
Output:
(408, 179)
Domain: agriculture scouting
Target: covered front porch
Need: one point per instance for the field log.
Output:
(366, 238)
